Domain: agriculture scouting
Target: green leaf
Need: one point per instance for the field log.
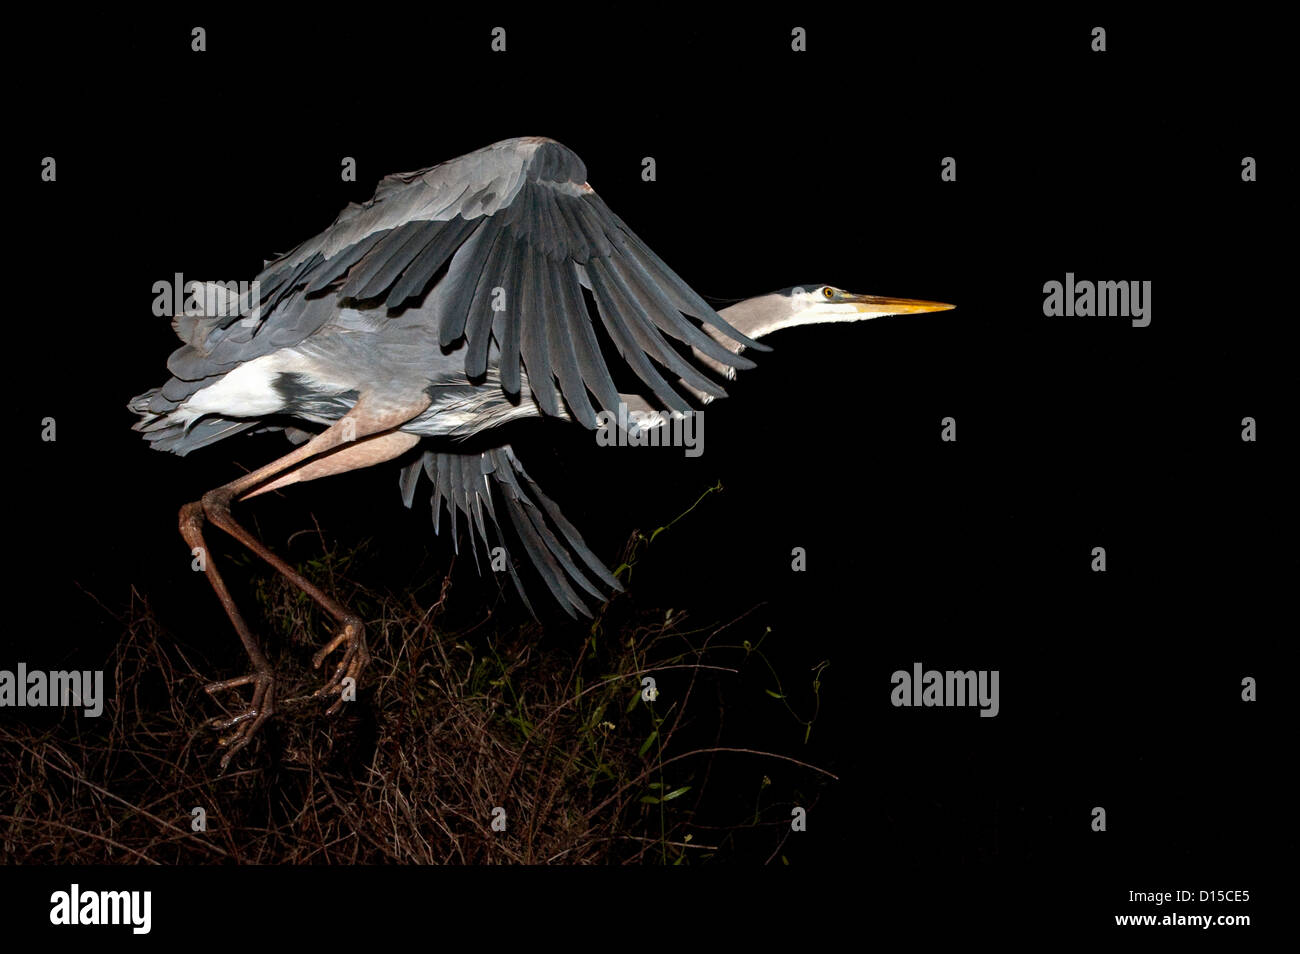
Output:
(677, 791)
(649, 799)
(774, 695)
(649, 741)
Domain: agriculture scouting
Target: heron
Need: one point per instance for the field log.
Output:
(457, 299)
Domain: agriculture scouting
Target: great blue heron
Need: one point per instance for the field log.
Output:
(448, 304)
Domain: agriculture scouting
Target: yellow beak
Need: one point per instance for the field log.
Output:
(875, 305)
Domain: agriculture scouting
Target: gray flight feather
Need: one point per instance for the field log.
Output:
(463, 282)
(469, 483)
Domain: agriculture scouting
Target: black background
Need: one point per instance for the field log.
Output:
(1119, 689)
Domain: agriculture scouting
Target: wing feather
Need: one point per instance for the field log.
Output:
(481, 485)
(518, 215)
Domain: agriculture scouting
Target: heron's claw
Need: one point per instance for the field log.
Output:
(355, 658)
(247, 723)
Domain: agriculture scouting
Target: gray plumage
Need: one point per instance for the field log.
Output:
(398, 295)
(463, 285)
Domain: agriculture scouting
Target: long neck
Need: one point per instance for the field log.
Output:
(755, 317)
(760, 316)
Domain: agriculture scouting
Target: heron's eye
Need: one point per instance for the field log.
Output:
(828, 292)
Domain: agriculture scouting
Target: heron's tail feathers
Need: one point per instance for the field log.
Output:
(168, 429)
(480, 486)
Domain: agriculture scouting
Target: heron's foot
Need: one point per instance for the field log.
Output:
(355, 658)
(246, 724)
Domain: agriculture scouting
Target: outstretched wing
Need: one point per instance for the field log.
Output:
(516, 233)
(470, 483)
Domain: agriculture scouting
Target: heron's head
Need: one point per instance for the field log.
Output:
(818, 303)
(810, 305)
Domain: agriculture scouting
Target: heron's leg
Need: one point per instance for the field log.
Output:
(356, 440)
(262, 705)
(362, 453)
